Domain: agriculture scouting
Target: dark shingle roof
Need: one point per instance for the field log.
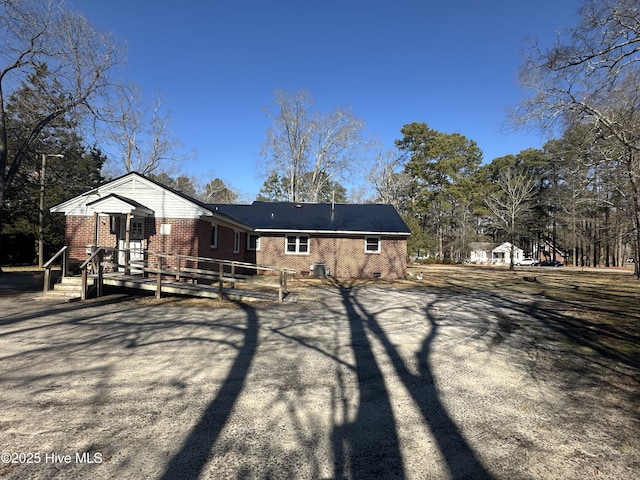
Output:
(316, 217)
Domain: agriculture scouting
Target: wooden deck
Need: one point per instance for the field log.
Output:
(174, 274)
(174, 287)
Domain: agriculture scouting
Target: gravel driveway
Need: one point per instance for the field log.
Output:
(365, 382)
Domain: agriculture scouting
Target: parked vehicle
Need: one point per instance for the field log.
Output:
(551, 263)
(527, 262)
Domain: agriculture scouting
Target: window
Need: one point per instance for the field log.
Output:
(214, 236)
(236, 242)
(253, 242)
(136, 231)
(372, 244)
(297, 244)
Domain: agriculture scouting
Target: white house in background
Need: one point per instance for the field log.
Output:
(494, 253)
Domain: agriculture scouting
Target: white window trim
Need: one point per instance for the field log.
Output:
(257, 247)
(379, 244)
(215, 229)
(297, 252)
(237, 236)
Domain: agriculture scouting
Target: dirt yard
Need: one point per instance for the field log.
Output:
(467, 373)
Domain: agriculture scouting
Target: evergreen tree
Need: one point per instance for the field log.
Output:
(441, 166)
(74, 169)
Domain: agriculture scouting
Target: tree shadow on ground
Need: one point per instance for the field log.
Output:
(461, 460)
(580, 352)
(610, 337)
(79, 346)
(189, 461)
(368, 446)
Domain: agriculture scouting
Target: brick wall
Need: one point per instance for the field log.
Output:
(79, 232)
(225, 246)
(345, 256)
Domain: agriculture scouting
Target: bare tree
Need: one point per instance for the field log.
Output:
(337, 138)
(591, 76)
(391, 183)
(139, 131)
(301, 144)
(37, 35)
(289, 138)
(507, 205)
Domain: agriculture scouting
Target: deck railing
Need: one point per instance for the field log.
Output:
(63, 267)
(98, 261)
(181, 267)
(103, 260)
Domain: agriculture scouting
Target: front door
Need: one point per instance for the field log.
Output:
(136, 242)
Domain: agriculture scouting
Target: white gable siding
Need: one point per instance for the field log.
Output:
(115, 205)
(164, 203)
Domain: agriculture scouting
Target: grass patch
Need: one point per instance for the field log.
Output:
(597, 311)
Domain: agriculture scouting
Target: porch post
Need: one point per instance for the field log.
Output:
(159, 278)
(100, 278)
(220, 280)
(83, 278)
(127, 252)
(96, 228)
(233, 275)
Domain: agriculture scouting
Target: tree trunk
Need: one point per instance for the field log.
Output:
(513, 249)
(635, 208)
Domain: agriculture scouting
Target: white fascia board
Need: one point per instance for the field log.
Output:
(332, 232)
(107, 205)
(62, 207)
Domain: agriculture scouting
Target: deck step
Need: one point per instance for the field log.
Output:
(66, 297)
(69, 289)
(66, 287)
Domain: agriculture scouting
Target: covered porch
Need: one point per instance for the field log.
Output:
(126, 219)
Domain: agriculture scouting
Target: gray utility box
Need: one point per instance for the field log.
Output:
(319, 270)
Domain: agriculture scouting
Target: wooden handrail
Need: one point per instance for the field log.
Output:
(225, 262)
(215, 271)
(97, 253)
(54, 258)
(47, 267)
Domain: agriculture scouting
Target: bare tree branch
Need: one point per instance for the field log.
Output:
(302, 145)
(40, 36)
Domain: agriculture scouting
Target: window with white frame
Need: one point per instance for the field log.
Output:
(253, 242)
(214, 236)
(297, 244)
(372, 244)
(236, 242)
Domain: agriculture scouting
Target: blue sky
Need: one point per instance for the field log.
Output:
(450, 64)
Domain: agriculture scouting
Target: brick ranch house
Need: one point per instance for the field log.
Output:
(348, 240)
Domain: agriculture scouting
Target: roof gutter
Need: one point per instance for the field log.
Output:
(332, 232)
(222, 217)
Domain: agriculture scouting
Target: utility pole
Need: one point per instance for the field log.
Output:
(41, 211)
